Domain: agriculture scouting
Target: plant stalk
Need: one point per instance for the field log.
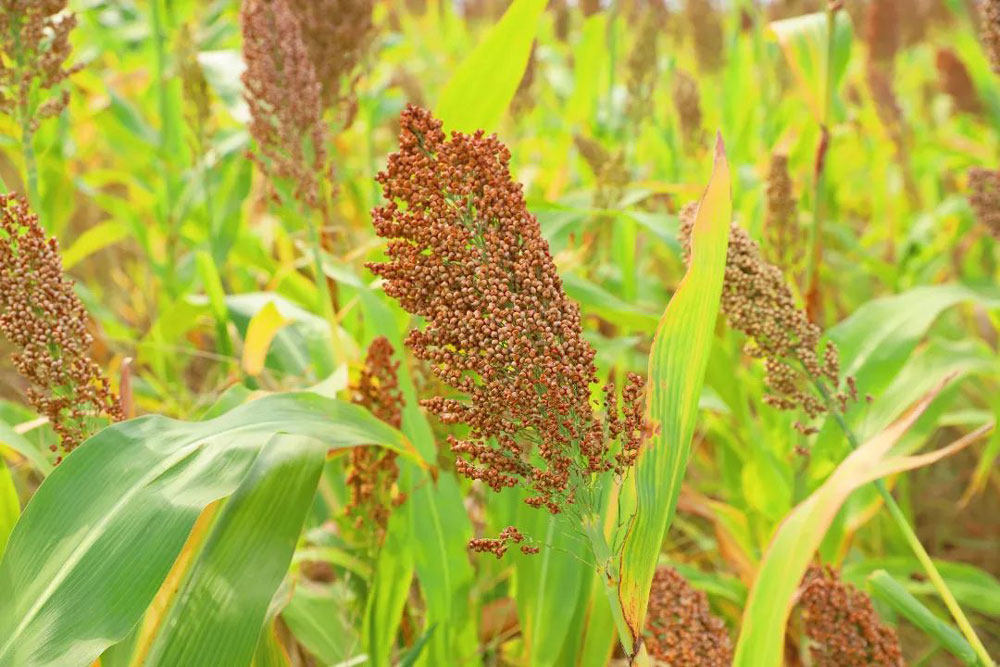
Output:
(896, 512)
(594, 529)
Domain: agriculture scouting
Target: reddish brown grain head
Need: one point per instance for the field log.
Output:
(285, 96)
(687, 104)
(707, 34)
(842, 627)
(372, 472)
(43, 318)
(34, 45)
(991, 32)
(757, 301)
(956, 82)
(467, 256)
(882, 25)
(680, 627)
(984, 197)
(783, 234)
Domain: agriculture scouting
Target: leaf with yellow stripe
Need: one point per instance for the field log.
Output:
(677, 364)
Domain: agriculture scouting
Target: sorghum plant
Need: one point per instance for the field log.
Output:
(984, 197)
(706, 33)
(957, 83)
(466, 255)
(687, 103)
(34, 46)
(991, 32)
(782, 224)
(882, 31)
(42, 316)
(756, 300)
(372, 472)
(842, 627)
(642, 66)
(680, 627)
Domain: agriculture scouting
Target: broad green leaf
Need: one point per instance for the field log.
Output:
(390, 587)
(595, 299)
(677, 364)
(246, 555)
(804, 41)
(890, 591)
(589, 57)
(478, 93)
(762, 636)
(10, 506)
(17, 442)
(94, 239)
(261, 330)
(319, 615)
(212, 283)
(83, 562)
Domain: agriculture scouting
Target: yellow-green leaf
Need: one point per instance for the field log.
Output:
(260, 333)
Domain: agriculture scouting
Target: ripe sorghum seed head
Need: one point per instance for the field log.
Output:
(991, 32)
(467, 256)
(842, 626)
(984, 197)
(882, 30)
(680, 628)
(757, 301)
(34, 45)
(285, 99)
(687, 102)
(498, 546)
(782, 220)
(372, 472)
(957, 82)
(337, 35)
(706, 31)
(42, 316)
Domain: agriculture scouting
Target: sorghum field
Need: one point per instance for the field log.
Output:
(435, 333)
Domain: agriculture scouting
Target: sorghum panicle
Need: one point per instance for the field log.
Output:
(842, 626)
(42, 316)
(687, 102)
(706, 31)
(467, 256)
(680, 627)
(337, 35)
(608, 169)
(284, 95)
(991, 32)
(782, 222)
(642, 66)
(372, 472)
(757, 301)
(498, 545)
(984, 197)
(198, 101)
(882, 23)
(34, 45)
(957, 82)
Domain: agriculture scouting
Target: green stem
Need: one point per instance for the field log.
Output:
(594, 529)
(911, 538)
(30, 162)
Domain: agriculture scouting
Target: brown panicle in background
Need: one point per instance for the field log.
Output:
(608, 169)
(524, 96)
(285, 100)
(467, 256)
(842, 627)
(707, 34)
(42, 316)
(198, 101)
(984, 198)
(757, 301)
(680, 627)
(34, 45)
(782, 224)
(882, 31)
(372, 472)
(991, 32)
(956, 82)
(642, 66)
(337, 35)
(687, 103)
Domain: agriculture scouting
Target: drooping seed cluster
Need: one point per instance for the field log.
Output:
(842, 626)
(41, 315)
(467, 256)
(337, 35)
(707, 33)
(372, 472)
(680, 627)
(882, 23)
(498, 545)
(991, 32)
(757, 301)
(34, 46)
(642, 66)
(782, 224)
(957, 83)
(285, 98)
(687, 103)
(984, 197)
(609, 170)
